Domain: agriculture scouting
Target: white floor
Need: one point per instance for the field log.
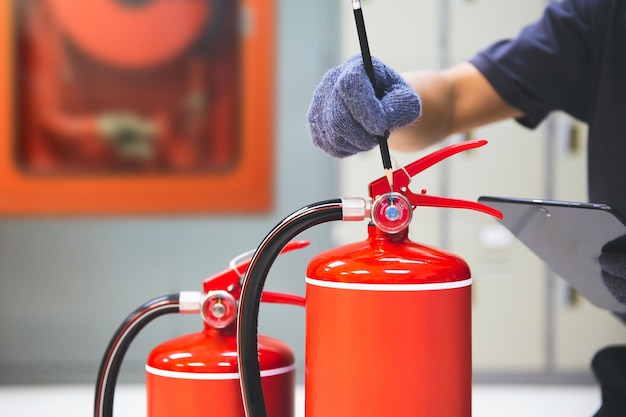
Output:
(488, 401)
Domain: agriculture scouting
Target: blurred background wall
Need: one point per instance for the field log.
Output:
(67, 283)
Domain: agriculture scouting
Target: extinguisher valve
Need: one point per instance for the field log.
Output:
(385, 213)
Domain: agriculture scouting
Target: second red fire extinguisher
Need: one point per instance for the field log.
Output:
(196, 374)
(388, 320)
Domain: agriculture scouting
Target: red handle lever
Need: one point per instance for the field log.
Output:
(230, 279)
(434, 201)
(431, 159)
(402, 178)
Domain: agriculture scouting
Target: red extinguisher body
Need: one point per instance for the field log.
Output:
(388, 330)
(196, 375)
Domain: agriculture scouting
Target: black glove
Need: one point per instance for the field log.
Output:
(609, 368)
(613, 263)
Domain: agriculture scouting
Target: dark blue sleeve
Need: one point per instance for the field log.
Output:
(547, 67)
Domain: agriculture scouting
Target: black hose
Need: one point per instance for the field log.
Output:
(247, 324)
(114, 354)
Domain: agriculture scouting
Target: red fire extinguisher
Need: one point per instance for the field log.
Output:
(388, 320)
(196, 375)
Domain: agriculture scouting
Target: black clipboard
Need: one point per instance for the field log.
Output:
(569, 237)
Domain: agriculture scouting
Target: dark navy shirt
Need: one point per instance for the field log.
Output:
(573, 59)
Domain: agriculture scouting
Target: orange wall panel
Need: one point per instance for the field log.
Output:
(57, 153)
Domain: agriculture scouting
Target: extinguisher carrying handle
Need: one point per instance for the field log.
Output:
(403, 176)
(231, 279)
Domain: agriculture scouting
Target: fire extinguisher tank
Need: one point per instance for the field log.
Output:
(388, 330)
(195, 375)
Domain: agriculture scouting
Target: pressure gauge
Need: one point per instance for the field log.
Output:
(219, 309)
(392, 212)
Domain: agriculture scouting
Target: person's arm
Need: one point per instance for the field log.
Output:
(454, 100)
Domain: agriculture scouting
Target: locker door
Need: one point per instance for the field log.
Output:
(509, 300)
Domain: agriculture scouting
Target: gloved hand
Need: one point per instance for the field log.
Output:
(613, 263)
(346, 117)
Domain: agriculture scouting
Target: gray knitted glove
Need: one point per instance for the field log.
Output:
(346, 117)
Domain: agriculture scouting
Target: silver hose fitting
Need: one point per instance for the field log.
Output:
(355, 209)
(190, 302)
